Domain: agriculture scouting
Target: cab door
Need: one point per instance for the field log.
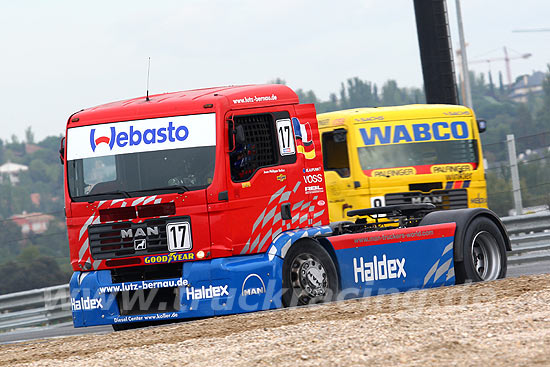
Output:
(261, 174)
(339, 181)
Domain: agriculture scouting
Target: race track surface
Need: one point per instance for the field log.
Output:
(504, 323)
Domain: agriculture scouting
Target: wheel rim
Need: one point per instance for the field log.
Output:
(308, 278)
(486, 256)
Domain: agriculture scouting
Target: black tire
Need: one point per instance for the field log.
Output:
(122, 327)
(309, 275)
(133, 325)
(484, 253)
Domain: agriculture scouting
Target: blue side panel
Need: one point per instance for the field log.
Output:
(250, 283)
(282, 243)
(389, 268)
(207, 288)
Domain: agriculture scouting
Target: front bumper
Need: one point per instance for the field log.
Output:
(206, 288)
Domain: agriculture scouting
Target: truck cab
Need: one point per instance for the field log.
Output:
(415, 154)
(188, 176)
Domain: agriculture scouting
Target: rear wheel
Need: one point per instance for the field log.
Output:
(484, 253)
(309, 275)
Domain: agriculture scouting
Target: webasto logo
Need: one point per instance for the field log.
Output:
(136, 136)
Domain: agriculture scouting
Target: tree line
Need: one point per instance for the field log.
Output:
(38, 260)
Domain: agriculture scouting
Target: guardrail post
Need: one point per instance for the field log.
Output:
(516, 187)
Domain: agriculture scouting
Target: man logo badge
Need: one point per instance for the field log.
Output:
(140, 244)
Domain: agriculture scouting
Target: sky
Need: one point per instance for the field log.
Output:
(58, 56)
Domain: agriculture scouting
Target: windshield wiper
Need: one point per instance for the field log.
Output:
(114, 192)
(182, 188)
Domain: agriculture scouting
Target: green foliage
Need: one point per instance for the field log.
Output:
(29, 135)
(9, 244)
(32, 260)
(29, 271)
(356, 93)
(499, 193)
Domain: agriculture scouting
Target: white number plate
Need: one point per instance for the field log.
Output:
(286, 137)
(179, 236)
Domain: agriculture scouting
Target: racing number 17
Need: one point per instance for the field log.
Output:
(178, 236)
(284, 134)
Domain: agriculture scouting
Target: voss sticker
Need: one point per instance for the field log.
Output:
(285, 137)
(313, 178)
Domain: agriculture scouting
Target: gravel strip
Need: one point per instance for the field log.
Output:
(505, 323)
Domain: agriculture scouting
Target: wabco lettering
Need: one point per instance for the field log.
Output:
(378, 270)
(136, 137)
(393, 134)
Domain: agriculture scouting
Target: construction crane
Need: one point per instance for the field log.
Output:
(506, 59)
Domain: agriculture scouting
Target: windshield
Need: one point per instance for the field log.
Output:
(141, 157)
(418, 154)
(144, 173)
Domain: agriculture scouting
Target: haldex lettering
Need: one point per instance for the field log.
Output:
(193, 293)
(86, 304)
(365, 271)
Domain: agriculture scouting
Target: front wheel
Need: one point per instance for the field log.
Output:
(484, 253)
(309, 275)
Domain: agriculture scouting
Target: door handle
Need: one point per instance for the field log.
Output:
(285, 211)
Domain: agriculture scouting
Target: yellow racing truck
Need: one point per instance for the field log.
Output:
(402, 155)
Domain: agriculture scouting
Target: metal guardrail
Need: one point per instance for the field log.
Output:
(37, 307)
(530, 236)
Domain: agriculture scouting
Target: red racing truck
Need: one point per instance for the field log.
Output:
(213, 201)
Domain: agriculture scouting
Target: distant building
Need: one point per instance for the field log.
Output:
(527, 84)
(35, 198)
(9, 171)
(32, 148)
(32, 222)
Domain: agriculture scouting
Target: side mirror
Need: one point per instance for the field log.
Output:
(339, 136)
(62, 151)
(481, 125)
(240, 138)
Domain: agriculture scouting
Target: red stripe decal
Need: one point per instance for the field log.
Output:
(393, 236)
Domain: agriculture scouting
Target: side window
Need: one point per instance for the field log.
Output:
(259, 148)
(335, 152)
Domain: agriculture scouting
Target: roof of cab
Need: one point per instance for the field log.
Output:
(393, 113)
(185, 102)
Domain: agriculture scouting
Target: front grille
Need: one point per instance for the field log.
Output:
(107, 240)
(442, 199)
